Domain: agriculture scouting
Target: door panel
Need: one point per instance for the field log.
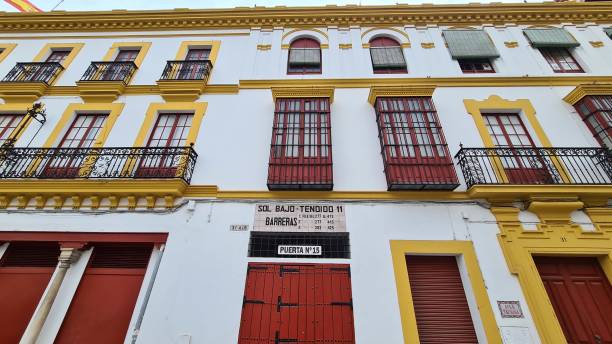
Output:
(581, 296)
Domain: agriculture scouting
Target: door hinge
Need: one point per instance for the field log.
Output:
(281, 304)
(278, 340)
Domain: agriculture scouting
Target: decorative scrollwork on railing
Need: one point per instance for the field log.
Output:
(34, 72)
(187, 70)
(110, 71)
(102, 163)
(549, 165)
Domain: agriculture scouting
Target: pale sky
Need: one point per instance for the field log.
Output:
(91, 5)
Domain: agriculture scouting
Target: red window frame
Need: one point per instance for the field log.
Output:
(57, 56)
(414, 149)
(304, 43)
(561, 60)
(164, 162)
(301, 150)
(197, 54)
(385, 42)
(8, 123)
(519, 168)
(473, 66)
(596, 113)
(80, 134)
(127, 55)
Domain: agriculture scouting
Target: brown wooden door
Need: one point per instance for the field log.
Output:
(103, 304)
(522, 166)
(25, 271)
(440, 305)
(581, 296)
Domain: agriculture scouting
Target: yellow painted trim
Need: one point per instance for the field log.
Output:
(113, 109)
(401, 248)
(588, 90)
(214, 49)
(17, 108)
(404, 34)
(347, 46)
(523, 106)
(556, 235)
(22, 92)
(304, 92)
(198, 109)
(428, 45)
(511, 44)
(589, 194)
(114, 49)
(264, 47)
(309, 29)
(194, 191)
(597, 44)
(8, 47)
(138, 36)
(399, 91)
(74, 51)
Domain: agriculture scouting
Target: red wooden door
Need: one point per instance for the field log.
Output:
(82, 133)
(192, 70)
(521, 166)
(414, 148)
(169, 133)
(25, 270)
(440, 305)
(297, 303)
(301, 142)
(581, 296)
(103, 304)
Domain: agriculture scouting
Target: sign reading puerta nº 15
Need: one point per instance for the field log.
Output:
(299, 217)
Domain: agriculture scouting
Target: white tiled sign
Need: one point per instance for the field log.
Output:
(299, 217)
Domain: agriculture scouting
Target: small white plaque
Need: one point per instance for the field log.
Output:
(299, 250)
(239, 228)
(299, 217)
(516, 335)
(510, 309)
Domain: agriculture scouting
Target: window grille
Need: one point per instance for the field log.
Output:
(333, 245)
(300, 154)
(413, 146)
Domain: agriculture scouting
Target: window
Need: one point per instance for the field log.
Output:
(197, 54)
(57, 56)
(73, 148)
(476, 66)
(596, 112)
(387, 56)
(8, 123)
(414, 150)
(561, 60)
(193, 68)
(304, 57)
(170, 133)
(127, 55)
(522, 164)
(300, 154)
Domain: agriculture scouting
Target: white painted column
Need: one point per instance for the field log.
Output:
(67, 256)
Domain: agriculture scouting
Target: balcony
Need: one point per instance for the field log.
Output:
(98, 163)
(27, 82)
(535, 166)
(314, 174)
(184, 80)
(110, 71)
(105, 81)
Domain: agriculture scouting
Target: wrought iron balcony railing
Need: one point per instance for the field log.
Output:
(504, 165)
(187, 70)
(103, 163)
(110, 71)
(34, 72)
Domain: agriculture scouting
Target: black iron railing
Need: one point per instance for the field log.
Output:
(34, 72)
(110, 71)
(104, 163)
(566, 165)
(187, 70)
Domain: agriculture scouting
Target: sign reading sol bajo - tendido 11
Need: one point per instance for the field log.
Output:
(299, 217)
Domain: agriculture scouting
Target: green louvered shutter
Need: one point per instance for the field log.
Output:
(550, 38)
(609, 32)
(304, 57)
(469, 44)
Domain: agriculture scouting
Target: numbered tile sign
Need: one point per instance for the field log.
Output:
(299, 217)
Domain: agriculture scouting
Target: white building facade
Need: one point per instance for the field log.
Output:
(390, 174)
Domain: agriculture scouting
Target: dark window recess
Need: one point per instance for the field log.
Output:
(31, 254)
(476, 66)
(561, 60)
(414, 151)
(596, 112)
(300, 153)
(333, 245)
(121, 256)
(304, 57)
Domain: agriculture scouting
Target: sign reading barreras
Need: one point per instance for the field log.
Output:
(299, 217)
